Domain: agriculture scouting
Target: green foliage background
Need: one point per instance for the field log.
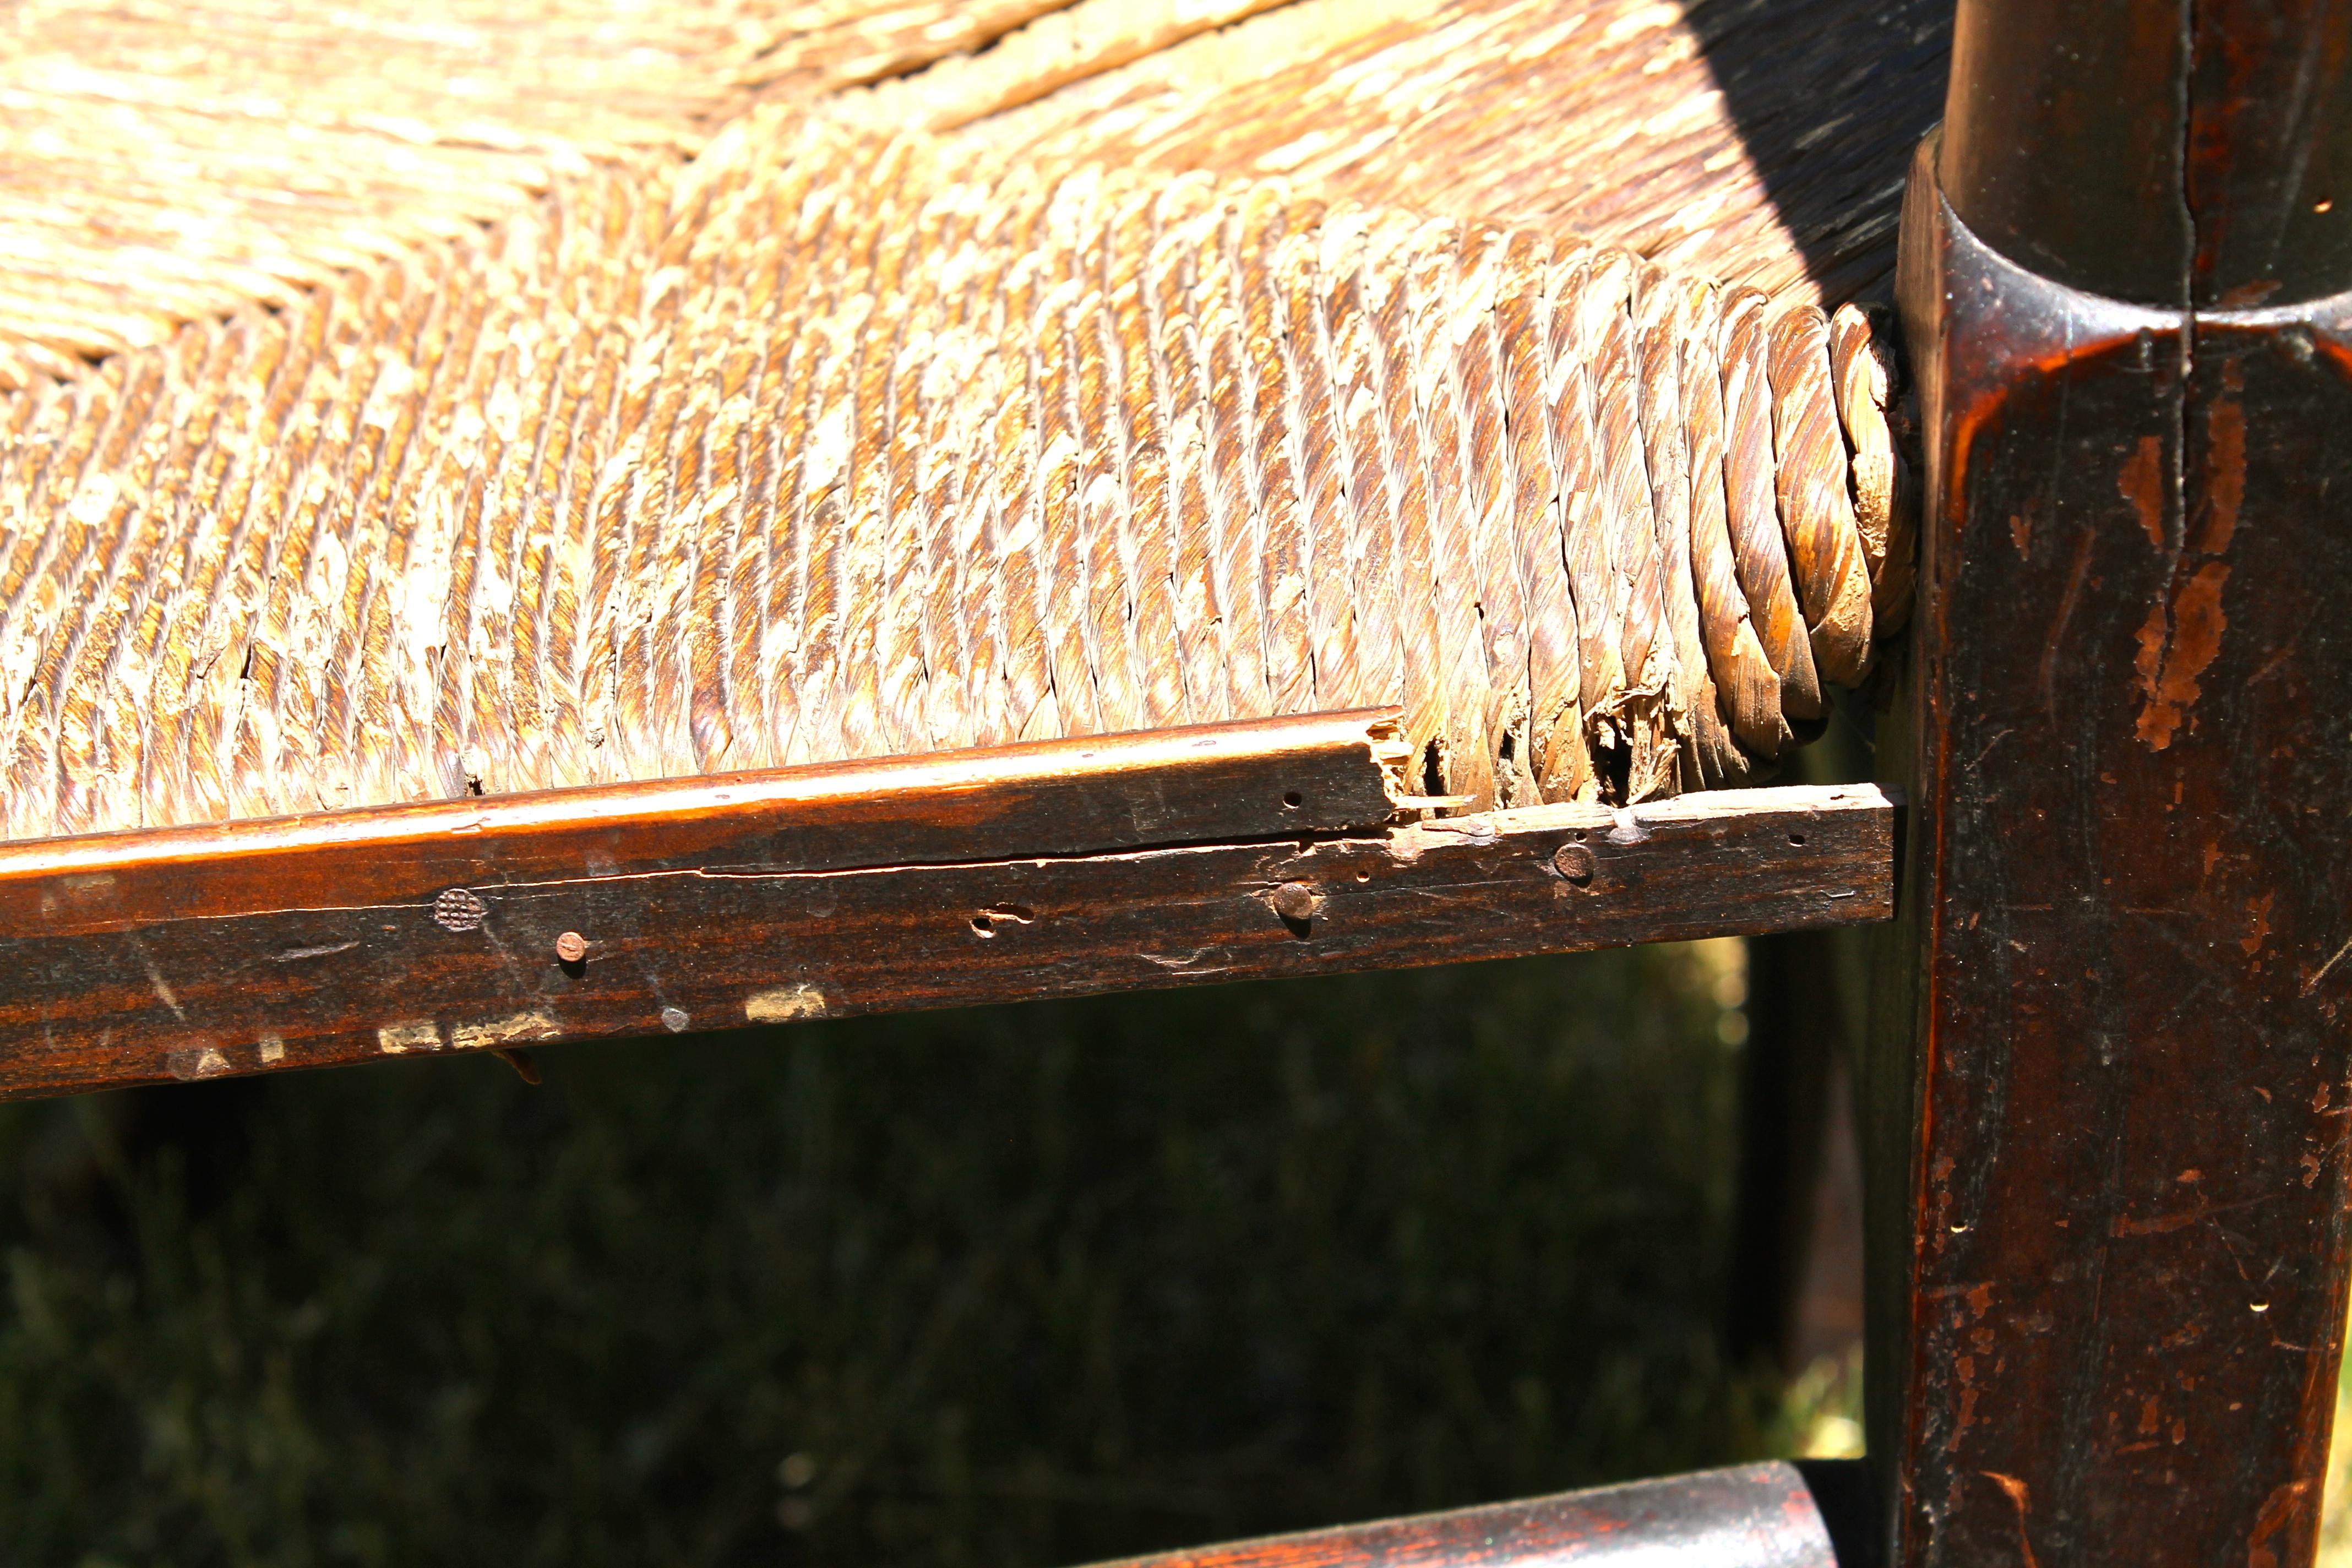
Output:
(1030, 1285)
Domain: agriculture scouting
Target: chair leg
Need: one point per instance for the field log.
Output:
(2112, 1075)
(1792, 1281)
(1784, 1086)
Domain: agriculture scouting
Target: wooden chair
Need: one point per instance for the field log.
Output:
(848, 536)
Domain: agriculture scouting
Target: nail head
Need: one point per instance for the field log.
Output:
(459, 908)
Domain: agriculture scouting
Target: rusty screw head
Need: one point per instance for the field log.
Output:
(1295, 901)
(572, 947)
(1575, 862)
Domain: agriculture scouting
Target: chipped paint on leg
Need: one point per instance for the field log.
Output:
(2176, 649)
(163, 991)
(520, 1029)
(205, 1062)
(423, 1035)
(785, 1003)
(273, 1049)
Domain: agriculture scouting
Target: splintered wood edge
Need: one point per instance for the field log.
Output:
(191, 992)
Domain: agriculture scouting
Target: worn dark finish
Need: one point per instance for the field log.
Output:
(2044, 90)
(2107, 1329)
(2165, 151)
(1755, 1516)
(149, 975)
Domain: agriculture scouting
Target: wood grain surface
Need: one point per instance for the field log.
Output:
(135, 969)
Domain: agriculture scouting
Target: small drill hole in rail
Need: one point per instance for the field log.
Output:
(985, 923)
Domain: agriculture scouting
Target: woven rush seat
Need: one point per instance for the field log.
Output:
(164, 163)
(1757, 144)
(842, 440)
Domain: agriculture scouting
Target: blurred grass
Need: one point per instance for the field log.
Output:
(1030, 1286)
(2335, 1502)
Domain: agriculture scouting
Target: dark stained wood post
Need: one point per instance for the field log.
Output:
(2108, 1290)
